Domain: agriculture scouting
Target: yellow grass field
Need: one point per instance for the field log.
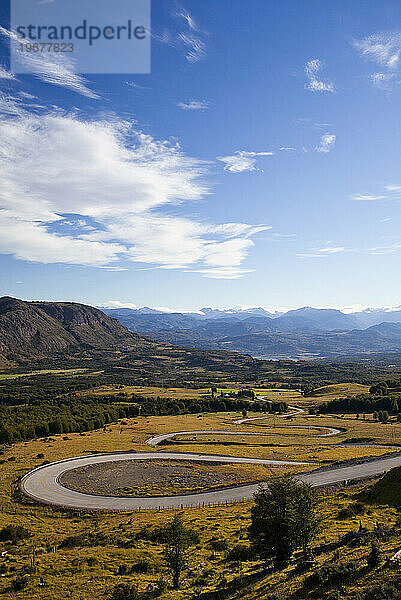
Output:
(109, 540)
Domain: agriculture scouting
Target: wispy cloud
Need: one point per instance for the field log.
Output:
(195, 47)
(188, 18)
(390, 249)
(326, 143)
(322, 252)
(382, 80)
(51, 67)
(315, 83)
(223, 273)
(135, 86)
(192, 38)
(367, 197)
(284, 235)
(242, 161)
(194, 105)
(388, 192)
(108, 183)
(186, 37)
(393, 188)
(119, 304)
(4, 74)
(384, 49)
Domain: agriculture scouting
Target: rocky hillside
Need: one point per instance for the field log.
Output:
(33, 329)
(43, 335)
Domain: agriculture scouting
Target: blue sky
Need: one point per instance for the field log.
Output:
(258, 164)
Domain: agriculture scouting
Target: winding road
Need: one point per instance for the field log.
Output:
(43, 483)
(158, 439)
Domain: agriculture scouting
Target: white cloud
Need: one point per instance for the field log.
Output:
(315, 83)
(287, 149)
(382, 80)
(327, 142)
(390, 249)
(331, 250)
(389, 192)
(4, 74)
(393, 188)
(195, 47)
(118, 304)
(192, 38)
(135, 86)
(194, 105)
(51, 67)
(382, 48)
(189, 37)
(10, 106)
(367, 197)
(189, 20)
(322, 252)
(108, 184)
(284, 235)
(224, 273)
(242, 161)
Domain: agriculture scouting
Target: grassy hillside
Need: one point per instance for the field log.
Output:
(385, 491)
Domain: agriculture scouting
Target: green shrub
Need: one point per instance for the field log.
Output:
(218, 545)
(332, 574)
(91, 539)
(144, 565)
(122, 569)
(240, 552)
(350, 511)
(124, 591)
(386, 591)
(374, 556)
(19, 583)
(13, 533)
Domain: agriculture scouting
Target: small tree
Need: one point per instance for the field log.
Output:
(383, 416)
(244, 413)
(283, 518)
(374, 556)
(177, 539)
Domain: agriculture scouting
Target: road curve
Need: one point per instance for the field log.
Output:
(42, 484)
(157, 439)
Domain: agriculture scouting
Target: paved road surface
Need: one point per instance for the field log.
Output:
(295, 410)
(157, 439)
(43, 485)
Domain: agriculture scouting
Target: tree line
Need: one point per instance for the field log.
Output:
(363, 403)
(69, 415)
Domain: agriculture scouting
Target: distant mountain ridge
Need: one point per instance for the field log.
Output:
(44, 335)
(304, 332)
(322, 318)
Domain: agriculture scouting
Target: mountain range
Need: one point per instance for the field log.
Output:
(68, 334)
(148, 340)
(302, 333)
